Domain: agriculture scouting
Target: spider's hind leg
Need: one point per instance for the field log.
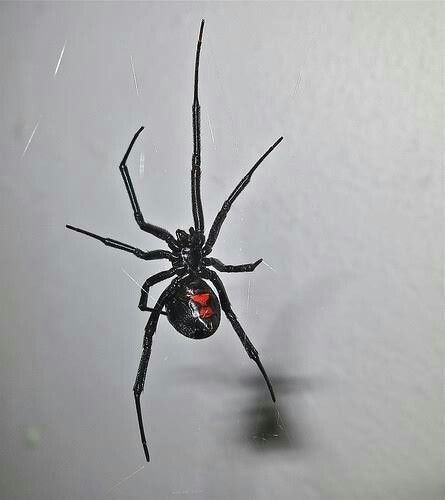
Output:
(152, 280)
(227, 308)
(150, 330)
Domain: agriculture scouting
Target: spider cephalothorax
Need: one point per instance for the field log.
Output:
(189, 302)
(190, 249)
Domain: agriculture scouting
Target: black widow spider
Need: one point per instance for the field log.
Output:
(191, 306)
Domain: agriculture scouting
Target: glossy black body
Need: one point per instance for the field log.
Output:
(189, 303)
(184, 313)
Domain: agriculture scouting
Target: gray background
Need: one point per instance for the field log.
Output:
(347, 315)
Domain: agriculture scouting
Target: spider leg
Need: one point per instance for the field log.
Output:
(151, 255)
(152, 280)
(242, 268)
(222, 214)
(157, 231)
(198, 216)
(150, 329)
(227, 308)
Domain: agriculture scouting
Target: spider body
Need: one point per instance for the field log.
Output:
(190, 304)
(194, 309)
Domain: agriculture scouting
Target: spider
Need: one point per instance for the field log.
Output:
(190, 304)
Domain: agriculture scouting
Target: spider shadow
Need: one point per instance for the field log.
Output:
(264, 426)
(267, 427)
(281, 426)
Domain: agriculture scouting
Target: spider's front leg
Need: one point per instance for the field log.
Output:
(227, 268)
(227, 205)
(227, 308)
(109, 242)
(157, 231)
(198, 215)
(150, 330)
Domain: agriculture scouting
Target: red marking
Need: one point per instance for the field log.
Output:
(201, 299)
(205, 312)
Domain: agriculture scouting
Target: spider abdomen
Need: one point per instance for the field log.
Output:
(194, 310)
